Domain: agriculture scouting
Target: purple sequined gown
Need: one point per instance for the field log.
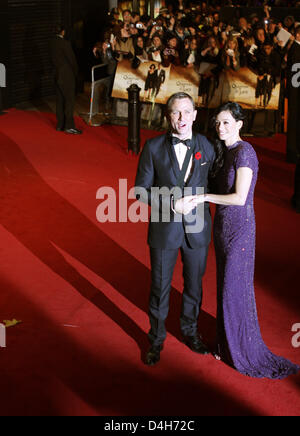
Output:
(239, 340)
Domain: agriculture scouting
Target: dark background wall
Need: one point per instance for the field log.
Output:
(25, 30)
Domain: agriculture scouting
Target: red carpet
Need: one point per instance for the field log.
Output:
(81, 288)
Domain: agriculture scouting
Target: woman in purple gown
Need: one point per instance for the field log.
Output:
(239, 340)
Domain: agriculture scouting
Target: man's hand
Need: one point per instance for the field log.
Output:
(185, 205)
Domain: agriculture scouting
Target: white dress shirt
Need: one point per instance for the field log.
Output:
(181, 150)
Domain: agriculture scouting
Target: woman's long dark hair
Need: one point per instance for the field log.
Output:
(238, 114)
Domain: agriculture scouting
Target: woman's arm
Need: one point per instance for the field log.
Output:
(236, 62)
(239, 198)
(243, 183)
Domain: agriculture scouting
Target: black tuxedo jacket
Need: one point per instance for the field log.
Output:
(64, 60)
(158, 168)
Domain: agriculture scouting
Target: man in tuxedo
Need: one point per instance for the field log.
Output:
(179, 159)
(66, 70)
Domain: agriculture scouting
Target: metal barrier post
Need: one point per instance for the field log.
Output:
(89, 116)
(134, 119)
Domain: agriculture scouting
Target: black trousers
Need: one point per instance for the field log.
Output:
(65, 104)
(162, 266)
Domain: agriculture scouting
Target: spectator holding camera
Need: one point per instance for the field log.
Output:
(210, 52)
(231, 55)
(123, 46)
(248, 51)
(170, 55)
(105, 53)
(156, 48)
(190, 53)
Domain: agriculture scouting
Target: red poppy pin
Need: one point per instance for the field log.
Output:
(198, 156)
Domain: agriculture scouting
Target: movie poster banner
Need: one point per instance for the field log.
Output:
(207, 89)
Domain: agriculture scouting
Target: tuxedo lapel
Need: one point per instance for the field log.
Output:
(196, 166)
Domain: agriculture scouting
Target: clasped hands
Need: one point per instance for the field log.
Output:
(186, 205)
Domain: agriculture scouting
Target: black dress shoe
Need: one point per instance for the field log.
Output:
(195, 344)
(60, 129)
(153, 355)
(73, 131)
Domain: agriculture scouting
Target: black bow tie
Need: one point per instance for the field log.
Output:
(175, 141)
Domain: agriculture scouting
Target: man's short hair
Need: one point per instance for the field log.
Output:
(179, 96)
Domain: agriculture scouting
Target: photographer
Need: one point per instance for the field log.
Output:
(105, 53)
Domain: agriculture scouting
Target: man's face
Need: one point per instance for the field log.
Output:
(127, 17)
(181, 117)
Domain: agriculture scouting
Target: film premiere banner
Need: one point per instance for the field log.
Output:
(158, 84)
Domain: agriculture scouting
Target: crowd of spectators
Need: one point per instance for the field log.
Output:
(195, 36)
